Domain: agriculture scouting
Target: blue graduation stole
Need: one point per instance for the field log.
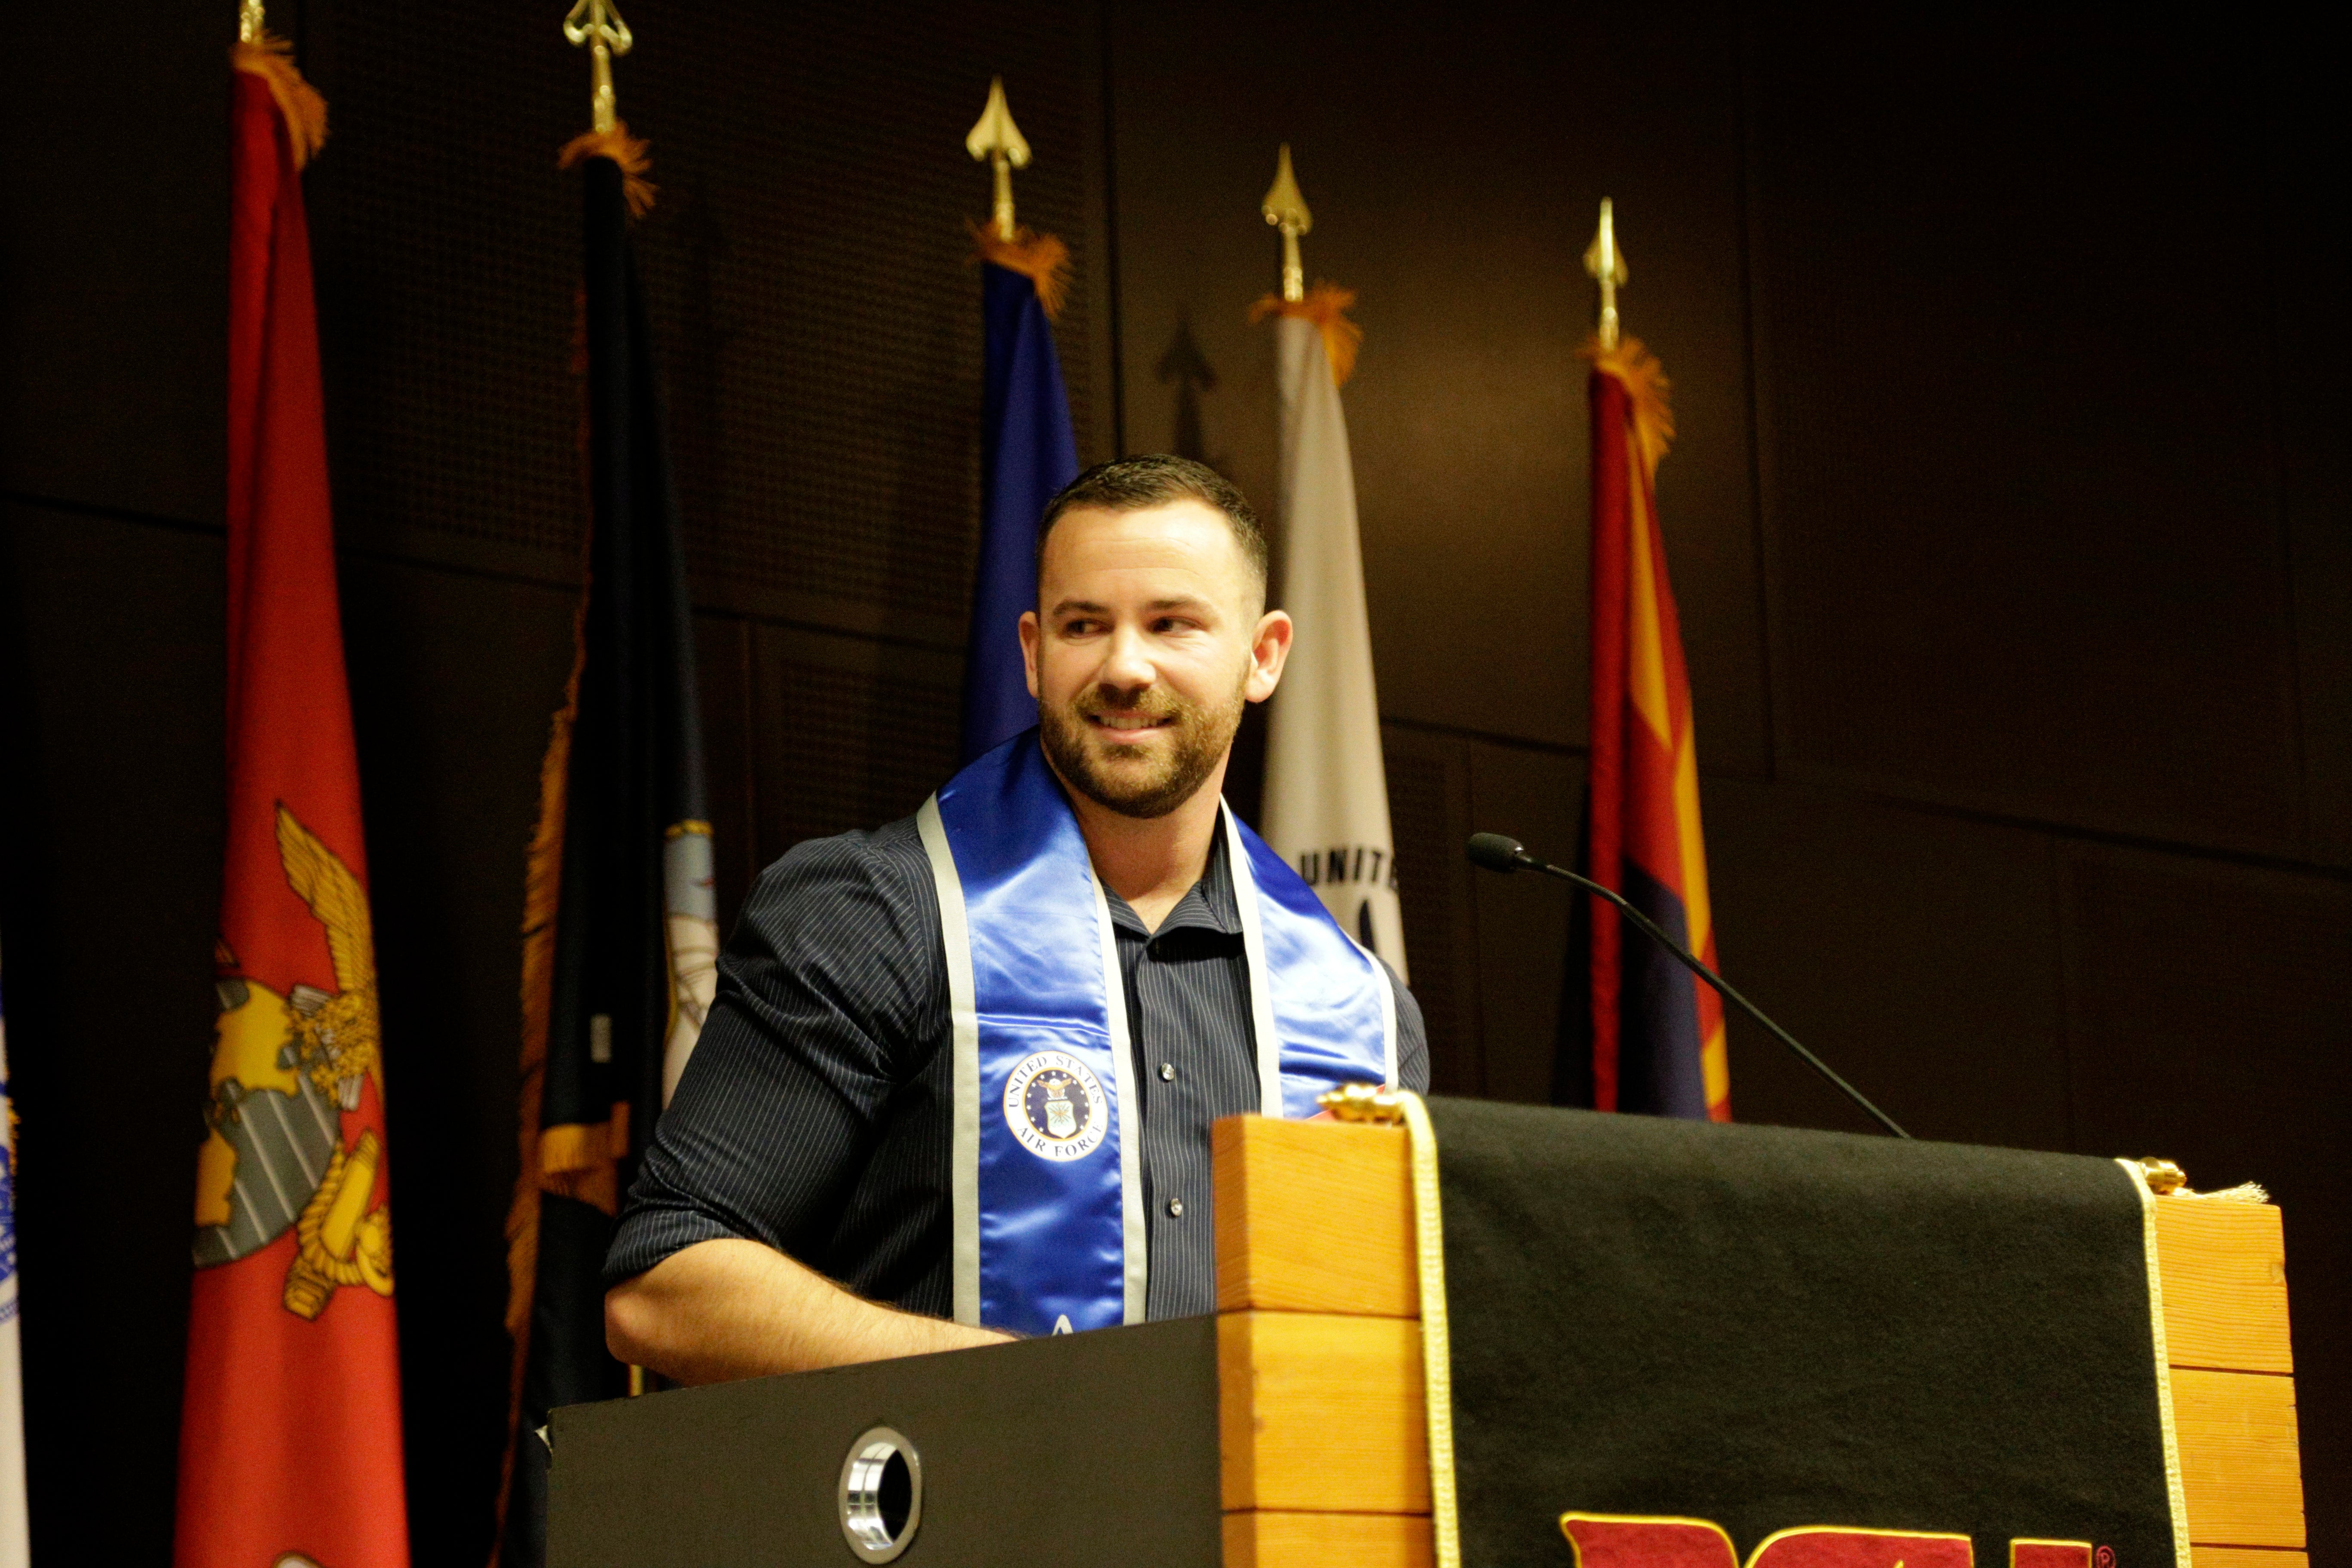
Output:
(1048, 1192)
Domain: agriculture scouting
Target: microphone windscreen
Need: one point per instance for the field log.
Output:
(1495, 851)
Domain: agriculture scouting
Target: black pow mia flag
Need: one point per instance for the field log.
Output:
(619, 929)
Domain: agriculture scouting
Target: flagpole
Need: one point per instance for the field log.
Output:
(1605, 265)
(598, 25)
(1285, 209)
(1028, 450)
(248, 21)
(998, 140)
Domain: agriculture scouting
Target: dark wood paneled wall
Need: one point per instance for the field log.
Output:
(2010, 538)
(2009, 518)
(819, 322)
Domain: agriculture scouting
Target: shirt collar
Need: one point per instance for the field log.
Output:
(1208, 904)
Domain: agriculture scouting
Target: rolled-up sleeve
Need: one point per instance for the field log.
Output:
(829, 993)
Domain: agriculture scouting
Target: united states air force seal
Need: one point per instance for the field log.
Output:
(1055, 1105)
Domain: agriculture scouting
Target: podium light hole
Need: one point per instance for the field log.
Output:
(881, 1495)
(897, 1495)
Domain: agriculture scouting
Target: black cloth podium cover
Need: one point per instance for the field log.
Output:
(1772, 1330)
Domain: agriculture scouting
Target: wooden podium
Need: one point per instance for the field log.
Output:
(1322, 1466)
(1287, 1432)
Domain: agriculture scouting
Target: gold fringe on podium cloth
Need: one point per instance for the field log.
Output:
(1325, 305)
(627, 150)
(1646, 386)
(272, 60)
(1041, 258)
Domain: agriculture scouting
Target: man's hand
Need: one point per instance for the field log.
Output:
(724, 1310)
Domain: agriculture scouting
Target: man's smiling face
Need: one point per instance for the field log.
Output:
(1145, 645)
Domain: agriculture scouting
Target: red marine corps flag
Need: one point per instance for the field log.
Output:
(290, 1435)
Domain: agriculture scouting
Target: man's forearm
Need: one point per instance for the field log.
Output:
(724, 1310)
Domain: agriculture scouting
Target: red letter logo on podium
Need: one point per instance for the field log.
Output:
(1620, 1541)
(1830, 1546)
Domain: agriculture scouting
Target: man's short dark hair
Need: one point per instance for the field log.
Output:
(1133, 484)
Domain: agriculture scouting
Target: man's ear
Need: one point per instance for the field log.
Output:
(1269, 651)
(1029, 636)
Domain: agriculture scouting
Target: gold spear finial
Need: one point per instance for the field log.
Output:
(249, 24)
(1285, 209)
(998, 140)
(598, 25)
(1606, 266)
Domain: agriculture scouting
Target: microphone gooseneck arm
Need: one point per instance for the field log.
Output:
(1497, 852)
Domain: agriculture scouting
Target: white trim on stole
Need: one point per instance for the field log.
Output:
(955, 932)
(963, 1007)
(963, 1010)
(1246, 895)
(1134, 1241)
(1268, 1039)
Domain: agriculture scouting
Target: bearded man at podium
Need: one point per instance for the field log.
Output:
(957, 1082)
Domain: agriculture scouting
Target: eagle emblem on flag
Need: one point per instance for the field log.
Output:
(286, 1066)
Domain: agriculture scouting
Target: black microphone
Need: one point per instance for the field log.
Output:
(1497, 852)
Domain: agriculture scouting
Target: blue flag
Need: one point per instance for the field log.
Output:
(1027, 453)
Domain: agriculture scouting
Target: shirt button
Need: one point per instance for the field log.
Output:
(1167, 1072)
(1175, 1208)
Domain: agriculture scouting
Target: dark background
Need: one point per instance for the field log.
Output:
(2010, 519)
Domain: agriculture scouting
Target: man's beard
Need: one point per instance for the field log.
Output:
(1143, 785)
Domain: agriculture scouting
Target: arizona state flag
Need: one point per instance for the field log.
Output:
(620, 934)
(1657, 1037)
(290, 1433)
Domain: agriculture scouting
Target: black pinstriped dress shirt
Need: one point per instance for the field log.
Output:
(815, 1114)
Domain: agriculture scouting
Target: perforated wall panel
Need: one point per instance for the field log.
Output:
(848, 734)
(806, 263)
(1429, 812)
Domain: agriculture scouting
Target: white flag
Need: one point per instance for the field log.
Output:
(16, 1548)
(1327, 796)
